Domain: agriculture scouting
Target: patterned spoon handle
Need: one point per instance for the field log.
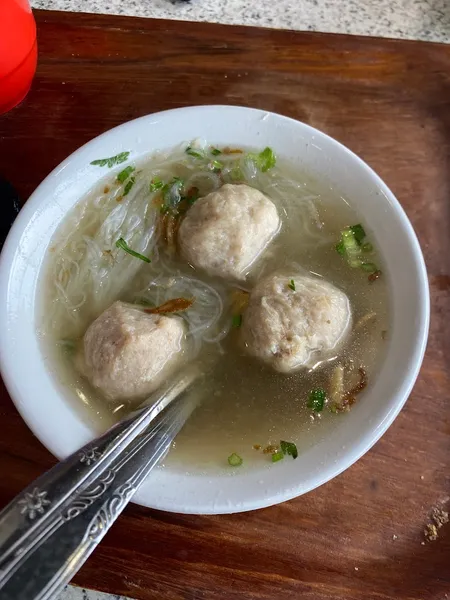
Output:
(51, 528)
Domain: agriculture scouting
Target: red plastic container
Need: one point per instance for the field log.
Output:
(18, 52)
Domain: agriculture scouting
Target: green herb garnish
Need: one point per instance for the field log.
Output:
(129, 185)
(195, 153)
(112, 160)
(236, 173)
(289, 448)
(369, 267)
(237, 321)
(316, 399)
(121, 243)
(340, 248)
(358, 233)
(216, 165)
(265, 160)
(277, 456)
(216, 151)
(125, 173)
(234, 460)
(292, 285)
(352, 247)
(156, 184)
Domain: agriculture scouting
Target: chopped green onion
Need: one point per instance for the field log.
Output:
(334, 409)
(125, 173)
(216, 151)
(358, 233)
(289, 448)
(121, 243)
(292, 285)
(234, 460)
(129, 185)
(236, 173)
(277, 456)
(355, 263)
(316, 399)
(237, 321)
(340, 248)
(265, 160)
(216, 165)
(112, 160)
(195, 153)
(352, 249)
(351, 246)
(369, 267)
(156, 184)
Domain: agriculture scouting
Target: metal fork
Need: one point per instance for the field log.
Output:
(51, 528)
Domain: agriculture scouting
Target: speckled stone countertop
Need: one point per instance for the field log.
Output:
(73, 593)
(410, 19)
(407, 19)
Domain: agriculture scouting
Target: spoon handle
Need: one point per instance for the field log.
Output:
(51, 528)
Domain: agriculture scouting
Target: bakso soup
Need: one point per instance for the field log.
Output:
(263, 275)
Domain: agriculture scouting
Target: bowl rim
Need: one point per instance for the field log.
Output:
(11, 248)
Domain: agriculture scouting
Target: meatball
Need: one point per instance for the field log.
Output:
(225, 232)
(128, 353)
(292, 328)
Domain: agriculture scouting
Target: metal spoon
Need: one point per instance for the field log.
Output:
(51, 528)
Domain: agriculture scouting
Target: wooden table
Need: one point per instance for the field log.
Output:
(359, 536)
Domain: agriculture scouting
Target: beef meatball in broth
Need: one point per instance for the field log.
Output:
(293, 328)
(225, 232)
(128, 353)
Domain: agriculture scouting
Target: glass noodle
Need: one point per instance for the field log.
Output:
(91, 272)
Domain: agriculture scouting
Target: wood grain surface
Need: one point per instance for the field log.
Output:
(359, 536)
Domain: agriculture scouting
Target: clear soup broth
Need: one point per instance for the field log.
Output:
(245, 406)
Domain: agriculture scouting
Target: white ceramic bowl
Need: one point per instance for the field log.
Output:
(61, 429)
